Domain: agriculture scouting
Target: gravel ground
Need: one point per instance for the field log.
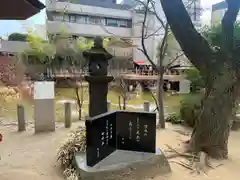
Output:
(26, 156)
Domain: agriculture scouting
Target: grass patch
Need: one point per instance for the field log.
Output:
(9, 108)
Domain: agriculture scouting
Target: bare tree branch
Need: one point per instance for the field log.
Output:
(144, 50)
(156, 101)
(164, 45)
(174, 60)
(157, 16)
(199, 51)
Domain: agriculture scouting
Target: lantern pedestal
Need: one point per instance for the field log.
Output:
(98, 90)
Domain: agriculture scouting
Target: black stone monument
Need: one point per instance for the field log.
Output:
(124, 130)
(101, 137)
(136, 131)
(98, 78)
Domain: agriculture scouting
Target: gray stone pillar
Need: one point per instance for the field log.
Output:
(109, 105)
(68, 115)
(21, 118)
(44, 106)
(146, 106)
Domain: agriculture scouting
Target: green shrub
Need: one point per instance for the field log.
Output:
(190, 108)
(17, 37)
(173, 118)
(197, 82)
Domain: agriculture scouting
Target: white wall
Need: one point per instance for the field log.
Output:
(13, 46)
(217, 16)
(150, 42)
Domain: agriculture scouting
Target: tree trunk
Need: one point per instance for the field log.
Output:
(212, 127)
(211, 130)
(124, 102)
(80, 113)
(160, 101)
(79, 103)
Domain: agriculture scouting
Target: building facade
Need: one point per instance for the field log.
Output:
(106, 18)
(218, 11)
(89, 18)
(193, 8)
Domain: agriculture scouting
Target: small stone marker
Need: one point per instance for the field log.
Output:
(68, 115)
(109, 105)
(44, 108)
(21, 118)
(146, 106)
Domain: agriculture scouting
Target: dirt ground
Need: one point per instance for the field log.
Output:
(33, 157)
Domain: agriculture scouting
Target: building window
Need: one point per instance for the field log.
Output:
(72, 18)
(123, 23)
(57, 17)
(118, 22)
(66, 17)
(84, 19)
(112, 22)
(95, 20)
(81, 19)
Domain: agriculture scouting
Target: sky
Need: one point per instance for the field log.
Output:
(23, 26)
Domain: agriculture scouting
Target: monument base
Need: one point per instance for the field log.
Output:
(124, 165)
(44, 115)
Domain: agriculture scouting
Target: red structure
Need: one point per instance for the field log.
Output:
(19, 9)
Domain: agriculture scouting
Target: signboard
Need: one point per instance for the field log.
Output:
(101, 137)
(44, 90)
(136, 131)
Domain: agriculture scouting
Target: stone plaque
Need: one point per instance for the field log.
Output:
(44, 90)
(101, 137)
(136, 131)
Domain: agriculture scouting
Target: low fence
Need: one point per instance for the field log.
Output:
(67, 114)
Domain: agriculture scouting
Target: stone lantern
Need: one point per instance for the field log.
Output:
(98, 78)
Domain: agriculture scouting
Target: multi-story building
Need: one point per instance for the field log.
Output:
(89, 18)
(218, 11)
(106, 18)
(193, 8)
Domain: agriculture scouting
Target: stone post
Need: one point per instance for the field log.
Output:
(146, 106)
(68, 115)
(44, 106)
(21, 118)
(109, 105)
(98, 78)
